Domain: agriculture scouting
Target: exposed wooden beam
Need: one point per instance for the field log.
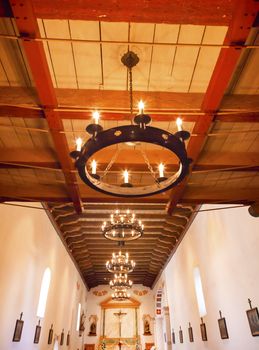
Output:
(207, 161)
(238, 31)
(23, 102)
(27, 25)
(219, 194)
(58, 194)
(163, 11)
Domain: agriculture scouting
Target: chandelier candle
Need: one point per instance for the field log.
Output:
(96, 117)
(79, 143)
(179, 124)
(94, 167)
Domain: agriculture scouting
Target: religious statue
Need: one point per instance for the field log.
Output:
(92, 328)
(146, 328)
(93, 322)
(82, 324)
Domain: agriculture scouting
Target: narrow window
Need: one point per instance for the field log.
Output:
(199, 292)
(78, 317)
(55, 344)
(44, 293)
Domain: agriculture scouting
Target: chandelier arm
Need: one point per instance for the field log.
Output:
(130, 91)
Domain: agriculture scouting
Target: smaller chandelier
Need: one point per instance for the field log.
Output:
(120, 295)
(122, 227)
(120, 263)
(120, 282)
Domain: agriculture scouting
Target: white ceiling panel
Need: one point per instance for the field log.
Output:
(166, 33)
(61, 53)
(114, 31)
(142, 32)
(87, 30)
(115, 74)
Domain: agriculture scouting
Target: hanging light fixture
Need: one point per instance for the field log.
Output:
(120, 263)
(122, 226)
(120, 282)
(120, 295)
(86, 164)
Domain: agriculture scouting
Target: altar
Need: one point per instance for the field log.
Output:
(119, 343)
(119, 325)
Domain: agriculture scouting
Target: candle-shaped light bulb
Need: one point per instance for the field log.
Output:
(79, 143)
(93, 166)
(179, 124)
(141, 107)
(126, 176)
(96, 117)
(161, 168)
(127, 255)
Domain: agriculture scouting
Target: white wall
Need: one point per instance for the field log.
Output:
(225, 245)
(94, 308)
(29, 244)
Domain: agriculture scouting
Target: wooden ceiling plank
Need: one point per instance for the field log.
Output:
(28, 27)
(238, 31)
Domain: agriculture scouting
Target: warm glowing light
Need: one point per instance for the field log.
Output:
(96, 117)
(161, 168)
(44, 293)
(78, 317)
(79, 143)
(94, 166)
(141, 106)
(179, 124)
(126, 176)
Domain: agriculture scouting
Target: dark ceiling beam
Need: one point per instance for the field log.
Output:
(208, 161)
(219, 195)
(238, 31)
(153, 11)
(26, 98)
(27, 26)
(49, 193)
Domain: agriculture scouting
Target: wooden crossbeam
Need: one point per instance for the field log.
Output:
(27, 25)
(163, 11)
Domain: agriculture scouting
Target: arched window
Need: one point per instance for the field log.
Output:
(78, 317)
(44, 292)
(55, 347)
(199, 292)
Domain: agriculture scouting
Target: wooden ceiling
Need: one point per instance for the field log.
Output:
(59, 61)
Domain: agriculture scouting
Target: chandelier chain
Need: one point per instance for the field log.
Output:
(131, 91)
(114, 157)
(150, 168)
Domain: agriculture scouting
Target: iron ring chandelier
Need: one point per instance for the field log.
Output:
(120, 282)
(120, 295)
(120, 263)
(122, 227)
(139, 132)
(132, 133)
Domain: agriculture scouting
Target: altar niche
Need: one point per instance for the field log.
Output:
(120, 324)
